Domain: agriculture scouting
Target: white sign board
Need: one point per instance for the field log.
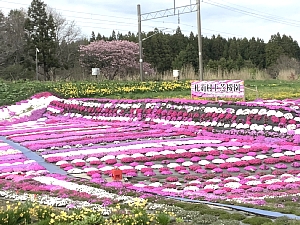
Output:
(175, 73)
(95, 71)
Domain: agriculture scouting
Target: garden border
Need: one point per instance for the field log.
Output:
(260, 212)
(34, 156)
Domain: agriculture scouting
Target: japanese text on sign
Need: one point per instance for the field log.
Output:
(221, 88)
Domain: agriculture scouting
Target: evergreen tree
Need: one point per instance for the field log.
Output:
(40, 33)
(178, 42)
(233, 49)
(188, 56)
(93, 38)
(99, 37)
(120, 36)
(113, 36)
(273, 50)
(217, 47)
(244, 48)
(3, 42)
(257, 52)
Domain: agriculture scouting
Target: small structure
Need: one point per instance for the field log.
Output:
(95, 72)
(116, 174)
(176, 74)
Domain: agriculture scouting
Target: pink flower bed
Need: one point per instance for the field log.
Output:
(189, 148)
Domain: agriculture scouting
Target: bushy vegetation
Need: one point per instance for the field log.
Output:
(11, 92)
(58, 41)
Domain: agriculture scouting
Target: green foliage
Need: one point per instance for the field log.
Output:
(163, 218)
(43, 222)
(226, 222)
(204, 219)
(90, 220)
(16, 72)
(15, 215)
(256, 220)
(283, 221)
(233, 216)
(11, 92)
(186, 57)
(41, 34)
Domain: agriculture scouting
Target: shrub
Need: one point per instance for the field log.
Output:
(257, 220)
(232, 216)
(163, 218)
(204, 219)
(226, 222)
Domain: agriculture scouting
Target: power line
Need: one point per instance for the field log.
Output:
(128, 18)
(158, 27)
(181, 24)
(253, 14)
(271, 15)
(265, 16)
(114, 22)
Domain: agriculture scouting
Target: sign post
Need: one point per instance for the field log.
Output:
(95, 72)
(220, 88)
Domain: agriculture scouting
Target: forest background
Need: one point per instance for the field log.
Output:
(42, 37)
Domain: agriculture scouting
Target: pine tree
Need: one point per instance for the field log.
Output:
(99, 37)
(93, 37)
(41, 34)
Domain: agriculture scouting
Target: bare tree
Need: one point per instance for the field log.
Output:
(67, 34)
(12, 41)
(66, 31)
(3, 45)
(15, 34)
(285, 63)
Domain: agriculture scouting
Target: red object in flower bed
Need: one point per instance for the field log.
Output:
(116, 174)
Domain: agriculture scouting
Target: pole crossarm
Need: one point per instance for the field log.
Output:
(169, 12)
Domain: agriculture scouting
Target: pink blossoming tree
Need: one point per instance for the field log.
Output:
(113, 58)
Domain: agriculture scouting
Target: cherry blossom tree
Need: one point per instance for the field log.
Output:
(113, 58)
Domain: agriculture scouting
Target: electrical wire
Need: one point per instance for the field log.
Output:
(268, 14)
(253, 14)
(114, 22)
(16, 3)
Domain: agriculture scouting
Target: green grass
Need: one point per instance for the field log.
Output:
(11, 92)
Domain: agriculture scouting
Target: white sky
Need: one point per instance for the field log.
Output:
(229, 18)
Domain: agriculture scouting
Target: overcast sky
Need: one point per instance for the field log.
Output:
(229, 18)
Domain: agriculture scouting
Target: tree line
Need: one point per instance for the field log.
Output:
(59, 44)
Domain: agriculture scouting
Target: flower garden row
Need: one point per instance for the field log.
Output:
(238, 151)
(12, 92)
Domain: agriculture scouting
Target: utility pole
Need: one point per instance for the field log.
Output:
(199, 41)
(174, 8)
(166, 13)
(36, 63)
(140, 40)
